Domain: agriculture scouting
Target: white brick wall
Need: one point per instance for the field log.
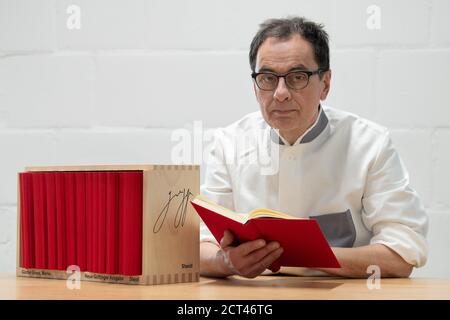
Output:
(105, 94)
(415, 149)
(47, 90)
(353, 72)
(413, 88)
(440, 24)
(145, 93)
(441, 169)
(403, 23)
(27, 26)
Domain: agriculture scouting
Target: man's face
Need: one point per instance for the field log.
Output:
(290, 111)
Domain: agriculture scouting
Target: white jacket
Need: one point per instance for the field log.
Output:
(344, 172)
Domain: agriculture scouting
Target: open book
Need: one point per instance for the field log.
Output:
(302, 240)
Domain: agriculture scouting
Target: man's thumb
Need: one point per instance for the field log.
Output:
(227, 239)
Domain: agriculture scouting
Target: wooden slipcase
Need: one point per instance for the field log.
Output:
(170, 255)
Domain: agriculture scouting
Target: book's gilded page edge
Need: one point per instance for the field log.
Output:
(268, 213)
(210, 205)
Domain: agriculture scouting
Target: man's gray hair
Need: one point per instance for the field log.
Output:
(312, 32)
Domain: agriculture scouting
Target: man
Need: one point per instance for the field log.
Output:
(332, 166)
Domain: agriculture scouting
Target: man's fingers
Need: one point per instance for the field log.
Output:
(227, 239)
(239, 256)
(275, 266)
(259, 254)
(271, 257)
(265, 263)
(250, 246)
(251, 258)
(245, 248)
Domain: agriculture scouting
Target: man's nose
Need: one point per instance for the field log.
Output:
(282, 92)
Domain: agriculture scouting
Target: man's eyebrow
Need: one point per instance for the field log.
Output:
(266, 69)
(294, 68)
(299, 67)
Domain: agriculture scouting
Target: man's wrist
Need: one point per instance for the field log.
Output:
(224, 263)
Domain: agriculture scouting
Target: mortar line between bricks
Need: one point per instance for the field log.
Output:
(9, 206)
(50, 130)
(138, 52)
(121, 52)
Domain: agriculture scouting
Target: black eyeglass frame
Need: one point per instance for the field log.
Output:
(309, 73)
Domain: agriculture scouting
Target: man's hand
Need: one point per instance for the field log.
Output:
(248, 259)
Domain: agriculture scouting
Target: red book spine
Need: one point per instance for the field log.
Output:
(112, 223)
(130, 219)
(26, 220)
(94, 238)
(80, 196)
(50, 192)
(40, 233)
(101, 231)
(69, 181)
(60, 221)
(89, 220)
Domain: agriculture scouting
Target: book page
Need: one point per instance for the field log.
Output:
(242, 217)
(239, 217)
(268, 213)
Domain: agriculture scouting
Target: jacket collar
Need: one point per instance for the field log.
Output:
(313, 132)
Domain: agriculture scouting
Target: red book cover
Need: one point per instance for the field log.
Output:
(26, 220)
(80, 214)
(61, 246)
(302, 240)
(50, 192)
(89, 220)
(101, 224)
(40, 228)
(95, 215)
(130, 220)
(69, 180)
(112, 222)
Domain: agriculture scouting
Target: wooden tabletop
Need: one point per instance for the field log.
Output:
(263, 287)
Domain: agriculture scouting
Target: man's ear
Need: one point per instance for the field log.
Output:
(326, 85)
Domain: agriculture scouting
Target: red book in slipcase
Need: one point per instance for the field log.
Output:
(89, 219)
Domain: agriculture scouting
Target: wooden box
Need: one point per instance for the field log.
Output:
(53, 233)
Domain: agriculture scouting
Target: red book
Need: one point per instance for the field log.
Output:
(112, 222)
(50, 192)
(61, 246)
(302, 240)
(26, 220)
(130, 222)
(40, 228)
(94, 213)
(80, 214)
(89, 220)
(101, 224)
(69, 180)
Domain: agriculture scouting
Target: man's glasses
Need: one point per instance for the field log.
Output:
(296, 80)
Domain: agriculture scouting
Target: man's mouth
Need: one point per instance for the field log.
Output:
(282, 112)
